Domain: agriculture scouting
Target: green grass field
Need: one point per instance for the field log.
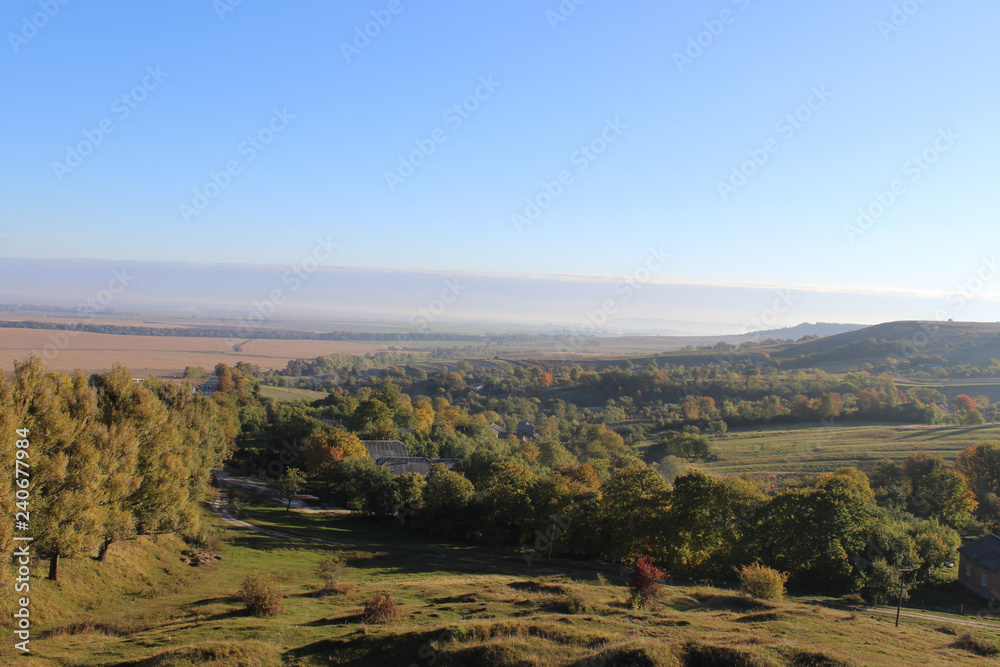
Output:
(461, 605)
(823, 449)
(290, 393)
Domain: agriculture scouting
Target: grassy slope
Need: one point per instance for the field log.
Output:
(781, 449)
(501, 611)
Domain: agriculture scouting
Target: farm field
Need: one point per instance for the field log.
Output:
(460, 605)
(290, 393)
(824, 449)
(952, 387)
(165, 356)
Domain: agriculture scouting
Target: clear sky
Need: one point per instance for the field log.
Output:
(116, 113)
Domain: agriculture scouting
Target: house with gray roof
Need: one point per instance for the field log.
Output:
(979, 566)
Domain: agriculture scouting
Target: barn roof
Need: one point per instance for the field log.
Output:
(985, 551)
(378, 449)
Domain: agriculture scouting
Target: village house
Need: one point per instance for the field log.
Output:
(979, 566)
(392, 454)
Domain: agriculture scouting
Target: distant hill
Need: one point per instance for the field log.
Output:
(919, 342)
(805, 329)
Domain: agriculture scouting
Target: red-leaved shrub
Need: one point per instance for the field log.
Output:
(644, 582)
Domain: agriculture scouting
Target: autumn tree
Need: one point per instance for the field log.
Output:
(290, 484)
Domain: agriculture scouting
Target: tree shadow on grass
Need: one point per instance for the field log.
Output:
(344, 619)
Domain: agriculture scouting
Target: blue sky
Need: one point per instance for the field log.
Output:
(870, 95)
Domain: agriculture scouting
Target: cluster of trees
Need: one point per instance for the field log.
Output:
(109, 458)
(829, 533)
(580, 483)
(738, 393)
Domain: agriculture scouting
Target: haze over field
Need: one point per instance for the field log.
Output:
(436, 300)
(716, 155)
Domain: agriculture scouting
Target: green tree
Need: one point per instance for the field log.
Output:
(446, 500)
(707, 521)
(633, 513)
(508, 512)
(945, 496)
(290, 484)
(883, 583)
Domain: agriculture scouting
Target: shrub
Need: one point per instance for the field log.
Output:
(381, 609)
(260, 595)
(853, 598)
(644, 583)
(973, 643)
(882, 584)
(574, 603)
(762, 583)
(330, 571)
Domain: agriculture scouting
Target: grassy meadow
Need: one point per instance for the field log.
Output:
(460, 604)
(816, 449)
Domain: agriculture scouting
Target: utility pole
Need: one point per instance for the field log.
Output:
(552, 537)
(899, 602)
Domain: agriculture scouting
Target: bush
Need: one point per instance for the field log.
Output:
(330, 571)
(882, 584)
(973, 643)
(644, 583)
(574, 603)
(762, 583)
(381, 609)
(260, 595)
(853, 598)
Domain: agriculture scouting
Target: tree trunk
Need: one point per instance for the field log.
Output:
(102, 555)
(288, 507)
(54, 568)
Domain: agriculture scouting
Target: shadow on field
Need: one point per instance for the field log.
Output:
(361, 650)
(346, 619)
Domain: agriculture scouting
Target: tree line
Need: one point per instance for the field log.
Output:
(110, 458)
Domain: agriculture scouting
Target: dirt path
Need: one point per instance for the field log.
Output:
(981, 625)
(229, 480)
(220, 506)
